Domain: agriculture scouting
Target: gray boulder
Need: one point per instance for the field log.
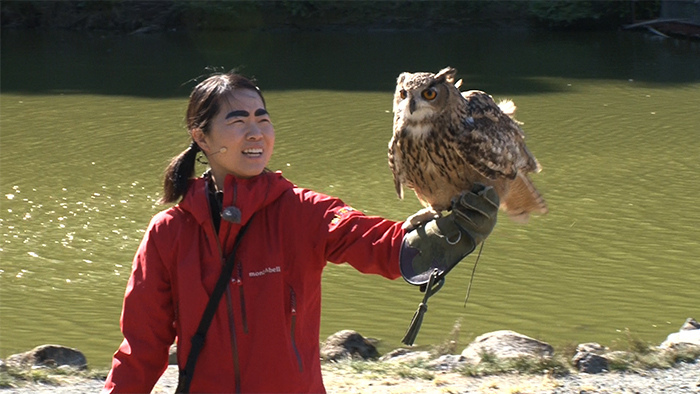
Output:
(172, 354)
(589, 358)
(689, 334)
(506, 344)
(690, 324)
(51, 356)
(405, 356)
(348, 344)
(447, 362)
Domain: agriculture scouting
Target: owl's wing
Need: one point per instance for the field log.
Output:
(492, 141)
(393, 166)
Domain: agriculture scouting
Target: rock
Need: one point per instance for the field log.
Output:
(591, 347)
(690, 324)
(447, 362)
(396, 353)
(52, 356)
(589, 358)
(592, 363)
(689, 334)
(506, 344)
(172, 354)
(682, 337)
(348, 344)
(401, 355)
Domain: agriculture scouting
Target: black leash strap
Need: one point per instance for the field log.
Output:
(417, 320)
(185, 378)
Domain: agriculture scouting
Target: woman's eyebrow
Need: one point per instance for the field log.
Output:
(240, 113)
(237, 113)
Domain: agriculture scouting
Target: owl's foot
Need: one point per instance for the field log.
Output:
(420, 217)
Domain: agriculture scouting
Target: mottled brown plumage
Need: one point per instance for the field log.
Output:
(445, 140)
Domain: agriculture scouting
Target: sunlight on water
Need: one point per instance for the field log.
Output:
(81, 175)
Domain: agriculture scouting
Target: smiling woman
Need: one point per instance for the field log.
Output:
(234, 236)
(240, 138)
(220, 123)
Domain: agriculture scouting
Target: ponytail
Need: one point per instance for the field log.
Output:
(178, 174)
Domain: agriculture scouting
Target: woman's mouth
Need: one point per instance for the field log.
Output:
(253, 152)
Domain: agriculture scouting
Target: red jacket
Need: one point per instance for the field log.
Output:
(266, 328)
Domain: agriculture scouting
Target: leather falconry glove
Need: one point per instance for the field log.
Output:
(430, 251)
(436, 247)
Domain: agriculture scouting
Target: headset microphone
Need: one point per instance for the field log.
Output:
(222, 150)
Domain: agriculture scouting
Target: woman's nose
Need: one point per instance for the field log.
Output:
(254, 132)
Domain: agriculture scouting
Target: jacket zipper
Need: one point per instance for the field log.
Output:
(231, 317)
(229, 306)
(293, 303)
(241, 294)
(239, 280)
(234, 346)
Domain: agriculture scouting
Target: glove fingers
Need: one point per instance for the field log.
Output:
(484, 201)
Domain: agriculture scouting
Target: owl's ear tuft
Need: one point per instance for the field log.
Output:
(401, 78)
(446, 74)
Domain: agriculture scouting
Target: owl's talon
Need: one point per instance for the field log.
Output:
(420, 217)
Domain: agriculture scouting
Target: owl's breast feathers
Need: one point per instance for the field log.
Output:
(422, 156)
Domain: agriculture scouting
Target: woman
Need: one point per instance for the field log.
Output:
(264, 334)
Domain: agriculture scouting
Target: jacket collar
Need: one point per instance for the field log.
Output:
(248, 195)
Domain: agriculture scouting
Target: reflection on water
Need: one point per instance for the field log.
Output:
(612, 118)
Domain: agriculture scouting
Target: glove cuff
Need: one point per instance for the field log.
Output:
(425, 249)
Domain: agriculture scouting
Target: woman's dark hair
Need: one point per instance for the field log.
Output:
(204, 104)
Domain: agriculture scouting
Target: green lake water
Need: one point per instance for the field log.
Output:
(88, 124)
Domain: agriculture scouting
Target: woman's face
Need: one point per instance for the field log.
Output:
(241, 137)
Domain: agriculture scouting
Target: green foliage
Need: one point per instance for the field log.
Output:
(632, 343)
(652, 358)
(129, 16)
(633, 354)
(218, 14)
(449, 345)
(590, 14)
(413, 370)
(14, 376)
(492, 365)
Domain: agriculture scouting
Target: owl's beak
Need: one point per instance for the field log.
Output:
(412, 106)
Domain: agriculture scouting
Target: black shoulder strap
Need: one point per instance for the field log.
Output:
(186, 374)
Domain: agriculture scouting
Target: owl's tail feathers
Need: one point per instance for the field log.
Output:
(523, 199)
(507, 106)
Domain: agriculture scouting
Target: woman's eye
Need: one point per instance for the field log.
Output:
(429, 94)
(403, 94)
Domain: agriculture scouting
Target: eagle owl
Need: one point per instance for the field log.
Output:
(445, 140)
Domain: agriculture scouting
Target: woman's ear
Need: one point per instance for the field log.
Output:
(200, 138)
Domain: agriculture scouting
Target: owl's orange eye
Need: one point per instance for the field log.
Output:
(429, 94)
(403, 94)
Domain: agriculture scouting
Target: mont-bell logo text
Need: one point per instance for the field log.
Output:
(263, 272)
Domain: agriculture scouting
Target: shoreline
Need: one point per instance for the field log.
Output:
(496, 362)
(349, 377)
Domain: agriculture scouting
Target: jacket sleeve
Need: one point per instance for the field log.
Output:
(147, 322)
(370, 244)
